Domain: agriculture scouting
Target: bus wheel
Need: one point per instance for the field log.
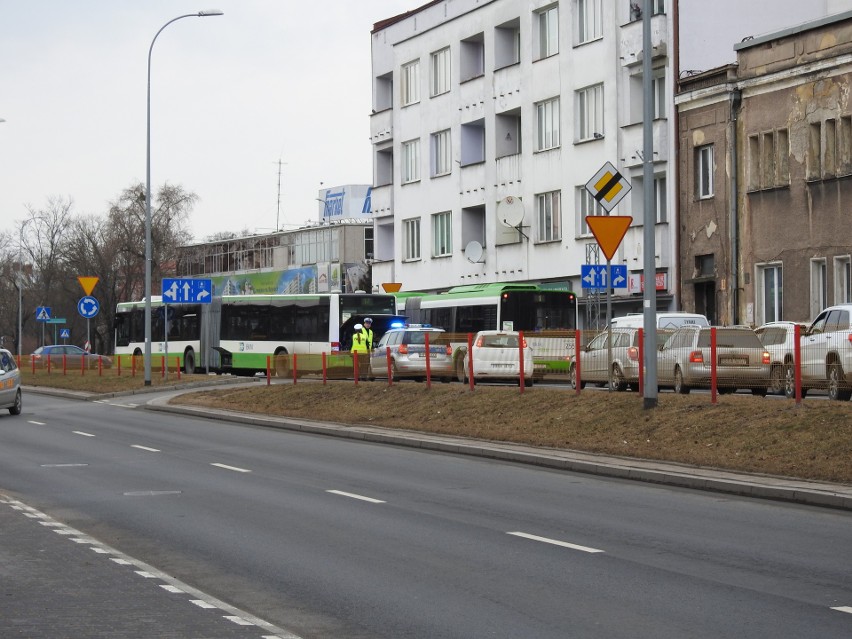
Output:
(282, 364)
(189, 362)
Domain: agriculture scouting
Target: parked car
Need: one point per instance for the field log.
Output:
(827, 352)
(779, 339)
(665, 320)
(10, 383)
(497, 355)
(684, 361)
(408, 354)
(75, 357)
(595, 364)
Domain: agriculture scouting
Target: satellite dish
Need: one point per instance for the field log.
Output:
(473, 252)
(510, 211)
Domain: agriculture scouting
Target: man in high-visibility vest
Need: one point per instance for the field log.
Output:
(360, 349)
(367, 331)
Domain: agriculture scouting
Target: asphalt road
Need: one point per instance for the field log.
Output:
(327, 537)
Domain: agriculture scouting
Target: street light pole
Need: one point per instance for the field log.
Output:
(21, 286)
(200, 14)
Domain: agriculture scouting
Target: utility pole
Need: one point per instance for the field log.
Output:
(278, 213)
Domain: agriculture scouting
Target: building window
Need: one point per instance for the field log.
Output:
(660, 198)
(658, 7)
(590, 124)
(410, 83)
(819, 286)
(547, 124)
(586, 205)
(769, 292)
(442, 234)
(549, 216)
(369, 248)
(441, 153)
(412, 239)
(473, 142)
(658, 87)
(440, 81)
(472, 63)
(410, 161)
(768, 160)
(814, 163)
(548, 32)
(843, 280)
(704, 171)
(589, 23)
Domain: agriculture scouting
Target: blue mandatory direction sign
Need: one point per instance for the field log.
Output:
(187, 291)
(595, 276)
(88, 307)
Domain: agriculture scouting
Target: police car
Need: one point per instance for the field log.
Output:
(402, 351)
(10, 383)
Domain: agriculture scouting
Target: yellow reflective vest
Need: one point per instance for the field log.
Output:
(359, 343)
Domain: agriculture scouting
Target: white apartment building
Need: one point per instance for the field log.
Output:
(489, 117)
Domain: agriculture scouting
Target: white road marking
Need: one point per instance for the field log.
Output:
(146, 574)
(555, 542)
(63, 465)
(170, 588)
(30, 421)
(354, 496)
(234, 468)
(238, 620)
(844, 609)
(140, 447)
(201, 603)
(80, 432)
(120, 561)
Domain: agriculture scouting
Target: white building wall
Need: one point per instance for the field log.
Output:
(517, 87)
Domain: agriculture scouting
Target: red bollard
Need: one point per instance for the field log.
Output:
(294, 369)
(521, 361)
(163, 366)
(797, 362)
(713, 372)
(428, 362)
(470, 359)
(390, 366)
(268, 369)
(355, 366)
(324, 369)
(177, 363)
(642, 362)
(578, 340)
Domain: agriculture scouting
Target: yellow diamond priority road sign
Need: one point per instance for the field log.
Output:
(608, 187)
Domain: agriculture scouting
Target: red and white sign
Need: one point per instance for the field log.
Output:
(636, 282)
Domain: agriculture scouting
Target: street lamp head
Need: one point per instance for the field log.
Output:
(210, 12)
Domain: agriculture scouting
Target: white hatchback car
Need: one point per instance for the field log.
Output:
(497, 355)
(779, 339)
(10, 383)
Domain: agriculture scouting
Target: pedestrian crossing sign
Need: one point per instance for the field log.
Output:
(42, 313)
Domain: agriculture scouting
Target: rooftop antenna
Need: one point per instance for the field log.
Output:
(278, 210)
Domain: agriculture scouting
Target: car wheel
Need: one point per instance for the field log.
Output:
(790, 383)
(17, 407)
(679, 387)
(726, 390)
(461, 369)
(572, 375)
(759, 392)
(189, 362)
(776, 380)
(837, 389)
(617, 382)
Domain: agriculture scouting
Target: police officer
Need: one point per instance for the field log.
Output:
(359, 346)
(367, 331)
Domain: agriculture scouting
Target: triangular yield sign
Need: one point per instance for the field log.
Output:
(609, 230)
(88, 283)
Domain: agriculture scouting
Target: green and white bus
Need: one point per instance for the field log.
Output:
(237, 333)
(547, 317)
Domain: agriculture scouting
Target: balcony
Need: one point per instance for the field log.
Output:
(633, 141)
(381, 201)
(631, 40)
(381, 127)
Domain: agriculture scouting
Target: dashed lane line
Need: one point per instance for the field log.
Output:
(83, 433)
(234, 468)
(556, 542)
(354, 496)
(140, 447)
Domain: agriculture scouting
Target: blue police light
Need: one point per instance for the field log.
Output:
(397, 324)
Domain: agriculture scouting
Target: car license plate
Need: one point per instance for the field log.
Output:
(501, 365)
(733, 361)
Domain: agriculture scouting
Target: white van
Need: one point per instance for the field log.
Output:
(665, 320)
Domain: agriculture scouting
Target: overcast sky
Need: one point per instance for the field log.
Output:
(231, 96)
